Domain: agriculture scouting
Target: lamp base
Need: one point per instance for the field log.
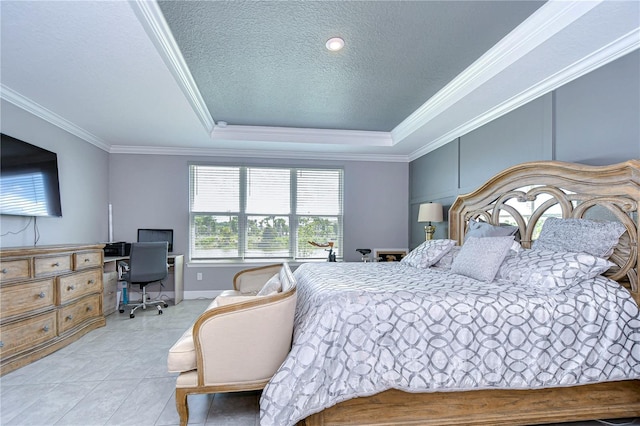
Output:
(429, 231)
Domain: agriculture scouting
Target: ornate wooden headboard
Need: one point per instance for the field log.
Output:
(524, 195)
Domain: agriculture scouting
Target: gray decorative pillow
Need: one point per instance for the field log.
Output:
(480, 258)
(579, 235)
(480, 229)
(274, 285)
(428, 253)
(446, 260)
(550, 269)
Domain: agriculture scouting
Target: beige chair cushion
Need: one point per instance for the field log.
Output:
(188, 379)
(182, 355)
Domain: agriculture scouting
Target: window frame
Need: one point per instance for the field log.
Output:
(243, 215)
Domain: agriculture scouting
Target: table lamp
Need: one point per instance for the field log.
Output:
(430, 212)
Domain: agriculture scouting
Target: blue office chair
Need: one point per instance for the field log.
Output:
(147, 264)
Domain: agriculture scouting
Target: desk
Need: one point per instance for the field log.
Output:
(173, 284)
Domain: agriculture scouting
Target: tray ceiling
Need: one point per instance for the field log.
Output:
(254, 78)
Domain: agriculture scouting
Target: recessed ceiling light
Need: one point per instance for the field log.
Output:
(334, 44)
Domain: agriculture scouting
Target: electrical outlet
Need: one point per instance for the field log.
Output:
(199, 276)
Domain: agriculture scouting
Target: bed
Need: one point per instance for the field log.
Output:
(391, 343)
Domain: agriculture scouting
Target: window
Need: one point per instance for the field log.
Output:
(245, 213)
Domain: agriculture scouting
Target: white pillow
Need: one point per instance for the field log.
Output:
(550, 269)
(428, 253)
(446, 260)
(274, 285)
(286, 277)
(480, 258)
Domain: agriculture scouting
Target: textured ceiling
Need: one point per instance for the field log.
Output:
(265, 63)
(145, 77)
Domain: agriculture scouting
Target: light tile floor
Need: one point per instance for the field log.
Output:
(116, 375)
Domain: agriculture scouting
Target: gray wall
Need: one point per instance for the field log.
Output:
(592, 120)
(153, 191)
(597, 117)
(83, 172)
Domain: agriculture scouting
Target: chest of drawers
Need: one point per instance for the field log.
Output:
(49, 297)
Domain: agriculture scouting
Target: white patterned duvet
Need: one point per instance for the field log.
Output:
(362, 328)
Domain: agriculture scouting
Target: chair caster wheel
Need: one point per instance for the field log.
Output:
(121, 311)
(159, 312)
(165, 305)
(132, 316)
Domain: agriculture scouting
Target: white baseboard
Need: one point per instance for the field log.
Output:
(137, 294)
(202, 294)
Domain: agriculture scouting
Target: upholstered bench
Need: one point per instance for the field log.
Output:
(240, 340)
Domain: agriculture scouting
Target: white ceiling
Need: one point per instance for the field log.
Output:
(148, 77)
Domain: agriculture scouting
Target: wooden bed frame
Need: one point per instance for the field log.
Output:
(580, 191)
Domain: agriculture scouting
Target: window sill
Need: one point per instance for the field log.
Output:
(248, 263)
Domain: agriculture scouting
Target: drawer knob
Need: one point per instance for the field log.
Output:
(71, 287)
(89, 308)
(42, 295)
(4, 270)
(45, 328)
(1, 344)
(56, 264)
(86, 259)
(69, 317)
(92, 281)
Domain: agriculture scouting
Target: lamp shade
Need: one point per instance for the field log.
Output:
(430, 212)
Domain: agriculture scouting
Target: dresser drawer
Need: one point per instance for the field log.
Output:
(51, 265)
(76, 313)
(27, 333)
(87, 259)
(77, 285)
(22, 298)
(15, 269)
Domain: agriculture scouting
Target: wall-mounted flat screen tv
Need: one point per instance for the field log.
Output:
(29, 183)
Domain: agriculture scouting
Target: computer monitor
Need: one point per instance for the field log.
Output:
(153, 235)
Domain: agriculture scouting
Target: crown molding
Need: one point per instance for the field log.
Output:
(614, 50)
(253, 153)
(301, 135)
(543, 24)
(156, 27)
(38, 110)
